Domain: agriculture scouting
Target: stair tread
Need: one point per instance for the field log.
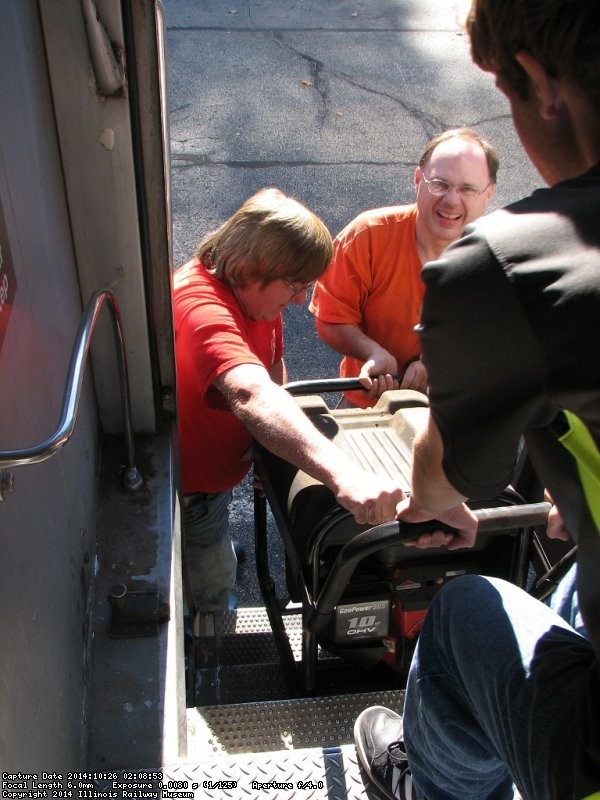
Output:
(282, 775)
(280, 724)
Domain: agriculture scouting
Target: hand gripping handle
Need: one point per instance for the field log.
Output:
(490, 520)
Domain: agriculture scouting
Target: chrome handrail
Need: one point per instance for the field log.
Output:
(43, 451)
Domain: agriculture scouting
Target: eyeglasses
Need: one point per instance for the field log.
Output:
(295, 291)
(439, 187)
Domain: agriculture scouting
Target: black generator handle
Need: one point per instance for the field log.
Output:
(323, 385)
(490, 520)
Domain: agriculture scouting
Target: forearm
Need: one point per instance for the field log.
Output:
(348, 340)
(272, 417)
(434, 498)
(277, 423)
(431, 493)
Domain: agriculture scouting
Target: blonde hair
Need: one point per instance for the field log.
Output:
(271, 236)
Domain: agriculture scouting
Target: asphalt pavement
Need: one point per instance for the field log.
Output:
(332, 101)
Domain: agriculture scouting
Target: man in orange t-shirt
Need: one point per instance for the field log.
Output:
(368, 301)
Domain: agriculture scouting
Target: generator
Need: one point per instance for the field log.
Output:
(363, 593)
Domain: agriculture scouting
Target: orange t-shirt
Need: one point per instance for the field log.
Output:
(374, 282)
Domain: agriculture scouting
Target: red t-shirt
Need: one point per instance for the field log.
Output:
(212, 335)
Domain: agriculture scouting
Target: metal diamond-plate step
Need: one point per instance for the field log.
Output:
(280, 725)
(244, 636)
(332, 774)
(310, 774)
(236, 661)
(252, 620)
(239, 684)
(253, 648)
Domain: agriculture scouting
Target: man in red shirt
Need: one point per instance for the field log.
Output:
(228, 344)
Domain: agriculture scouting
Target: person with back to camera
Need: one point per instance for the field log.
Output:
(367, 303)
(501, 689)
(227, 305)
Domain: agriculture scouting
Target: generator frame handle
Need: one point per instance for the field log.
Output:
(490, 521)
(323, 385)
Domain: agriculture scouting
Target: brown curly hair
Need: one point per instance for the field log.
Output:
(563, 36)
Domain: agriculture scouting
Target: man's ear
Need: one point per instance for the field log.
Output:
(545, 88)
(417, 177)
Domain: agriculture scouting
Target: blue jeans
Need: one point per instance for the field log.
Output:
(208, 550)
(564, 601)
(491, 692)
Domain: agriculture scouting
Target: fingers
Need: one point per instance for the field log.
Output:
(431, 539)
(438, 539)
(374, 513)
(380, 384)
(460, 518)
(556, 528)
(376, 508)
(377, 374)
(415, 377)
(370, 498)
(369, 513)
(365, 378)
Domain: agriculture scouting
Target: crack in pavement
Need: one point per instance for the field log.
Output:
(316, 70)
(190, 160)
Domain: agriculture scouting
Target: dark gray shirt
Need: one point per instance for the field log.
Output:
(510, 336)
